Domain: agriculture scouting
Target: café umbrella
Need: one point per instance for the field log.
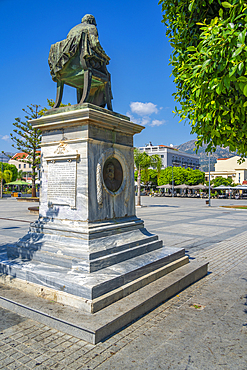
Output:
(166, 186)
(18, 182)
(182, 186)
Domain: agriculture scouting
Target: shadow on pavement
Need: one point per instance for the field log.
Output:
(162, 206)
(9, 319)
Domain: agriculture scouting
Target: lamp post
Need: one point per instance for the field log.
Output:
(172, 182)
(209, 180)
(1, 192)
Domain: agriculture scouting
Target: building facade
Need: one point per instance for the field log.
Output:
(171, 156)
(229, 167)
(17, 160)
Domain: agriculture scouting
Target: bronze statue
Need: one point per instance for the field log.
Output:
(80, 61)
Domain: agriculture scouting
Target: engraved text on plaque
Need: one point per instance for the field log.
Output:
(62, 182)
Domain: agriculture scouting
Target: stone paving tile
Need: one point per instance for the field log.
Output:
(6, 361)
(17, 355)
(16, 365)
(57, 367)
(163, 337)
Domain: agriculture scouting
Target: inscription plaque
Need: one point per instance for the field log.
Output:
(62, 182)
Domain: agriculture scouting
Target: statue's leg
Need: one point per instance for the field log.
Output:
(59, 96)
(79, 95)
(108, 93)
(87, 86)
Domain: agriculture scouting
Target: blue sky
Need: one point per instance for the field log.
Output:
(132, 35)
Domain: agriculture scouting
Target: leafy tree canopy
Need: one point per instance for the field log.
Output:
(219, 180)
(5, 175)
(181, 175)
(210, 68)
(143, 162)
(27, 140)
(51, 104)
(152, 177)
(9, 167)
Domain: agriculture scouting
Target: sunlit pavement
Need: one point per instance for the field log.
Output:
(204, 327)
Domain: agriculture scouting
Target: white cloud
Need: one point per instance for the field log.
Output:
(140, 113)
(133, 119)
(143, 109)
(145, 120)
(5, 137)
(140, 121)
(157, 122)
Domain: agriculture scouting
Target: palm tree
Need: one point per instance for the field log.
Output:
(143, 162)
(20, 175)
(7, 176)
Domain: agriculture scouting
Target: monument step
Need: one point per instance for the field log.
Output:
(78, 248)
(90, 255)
(87, 230)
(89, 285)
(114, 258)
(95, 327)
(86, 265)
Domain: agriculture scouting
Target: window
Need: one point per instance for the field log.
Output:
(24, 166)
(162, 156)
(19, 165)
(239, 178)
(30, 165)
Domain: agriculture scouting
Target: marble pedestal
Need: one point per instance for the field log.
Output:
(88, 249)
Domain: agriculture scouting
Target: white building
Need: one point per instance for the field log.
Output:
(19, 161)
(171, 156)
(229, 167)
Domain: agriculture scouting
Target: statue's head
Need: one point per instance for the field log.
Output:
(110, 171)
(89, 18)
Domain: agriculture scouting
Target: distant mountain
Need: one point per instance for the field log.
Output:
(189, 147)
(5, 157)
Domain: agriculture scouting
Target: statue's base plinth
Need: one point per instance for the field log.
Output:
(119, 258)
(88, 250)
(95, 327)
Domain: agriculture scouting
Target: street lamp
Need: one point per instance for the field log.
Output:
(172, 182)
(209, 180)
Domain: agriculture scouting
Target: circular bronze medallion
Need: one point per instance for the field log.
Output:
(112, 174)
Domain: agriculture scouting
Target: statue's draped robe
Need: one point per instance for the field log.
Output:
(63, 51)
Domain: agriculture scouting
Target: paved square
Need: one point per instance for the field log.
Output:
(172, 336)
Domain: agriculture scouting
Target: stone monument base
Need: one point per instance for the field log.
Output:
(121, 257)
(96, 327)
(88, 250)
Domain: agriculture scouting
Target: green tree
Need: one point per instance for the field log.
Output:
(20, 175)
(181, 175)
(51, 104)
(194, 177)
(210, 68)
(10, 167)
(27, 140)
(5, 175)
(143, 162)
(219, 180)
(152, 177)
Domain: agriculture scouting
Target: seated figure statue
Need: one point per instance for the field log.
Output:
(80, 61)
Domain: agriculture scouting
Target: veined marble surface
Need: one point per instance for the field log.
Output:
(90, 285)
(88, 241)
